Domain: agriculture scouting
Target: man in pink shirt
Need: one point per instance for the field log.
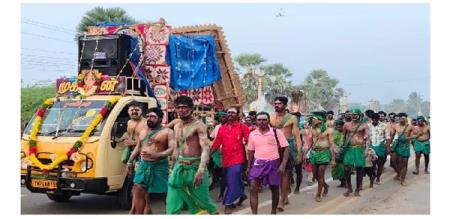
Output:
(265, 146)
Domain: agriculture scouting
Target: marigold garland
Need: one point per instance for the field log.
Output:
(76, 146)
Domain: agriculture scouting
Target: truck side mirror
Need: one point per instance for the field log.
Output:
(117, 131)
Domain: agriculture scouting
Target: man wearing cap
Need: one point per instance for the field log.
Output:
(379, 141)
(421, 143)
(287, 123)
(356, 134)
(268, 156)
(232, 137)
(402, 146)
(322, 151)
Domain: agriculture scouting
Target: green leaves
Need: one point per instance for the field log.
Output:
(31, 100)
(100, 14)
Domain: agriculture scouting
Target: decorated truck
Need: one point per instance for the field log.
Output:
(71, 146)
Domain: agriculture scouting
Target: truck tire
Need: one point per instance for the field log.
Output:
(59, 197)
(125, 195)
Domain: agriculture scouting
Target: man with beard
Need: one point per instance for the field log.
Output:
(268, 155)
(287, 123)
(402, 146)
(347, 116)
(422, 143)
(338, 171)
(379, 141)
(232, 137)
(322, 152)
(188, 181)
(382, 116)
(135, 125)
(356, 134)
(155, 145)
(330, 119)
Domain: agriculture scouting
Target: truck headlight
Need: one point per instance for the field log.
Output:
(85, 165)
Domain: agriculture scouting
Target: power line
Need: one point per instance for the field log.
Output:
(47, 37)
(46, 57)
(48, 26)
(47, 51)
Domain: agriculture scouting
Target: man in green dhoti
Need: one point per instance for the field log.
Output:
(188, 182)
(421, 143)
(402, 146)
(338, 171)
(322, 151)
(155, 144)
(356, 133)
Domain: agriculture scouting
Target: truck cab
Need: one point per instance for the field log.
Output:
(97, 168)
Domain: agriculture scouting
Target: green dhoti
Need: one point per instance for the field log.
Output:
(402, 147)
(338, 171)
(217, 158)
(320, 156)
(182, 192)
(354, 156)
(293, 152)
(422, 146)
(379, 149)
(152, 175)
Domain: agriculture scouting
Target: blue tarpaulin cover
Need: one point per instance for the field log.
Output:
(193, 62)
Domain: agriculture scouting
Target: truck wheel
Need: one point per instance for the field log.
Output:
(59, 197)
(125, 194)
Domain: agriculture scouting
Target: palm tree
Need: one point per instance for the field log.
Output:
(100, 14)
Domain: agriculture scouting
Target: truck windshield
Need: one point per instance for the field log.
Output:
(69, 118)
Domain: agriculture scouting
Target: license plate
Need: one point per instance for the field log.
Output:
(45, 184)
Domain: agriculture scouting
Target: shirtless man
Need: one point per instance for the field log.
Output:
(155, 144)
(402, 146)
(422, 143)
(322, 151)
(306, 139)
(356, 134)
(188, 182)
(288, 125)
(330, 119)
(134, 126)
(392, 154)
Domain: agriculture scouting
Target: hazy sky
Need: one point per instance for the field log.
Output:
(378, 51)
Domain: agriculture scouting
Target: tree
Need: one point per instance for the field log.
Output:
(396, 106)
(100, 14)
(321, 91)
(413, 104)
(425, 107)
(249, 83)
(31, 98)
(277, 78)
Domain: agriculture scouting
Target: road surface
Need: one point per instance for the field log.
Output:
(388, 198)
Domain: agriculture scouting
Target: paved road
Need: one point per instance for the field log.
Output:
(387, 198)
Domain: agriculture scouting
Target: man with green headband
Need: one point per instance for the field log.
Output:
(322, 151)
(188, 181)
(421, 143)
(356, 134)
(287, 123)
(402, 146)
